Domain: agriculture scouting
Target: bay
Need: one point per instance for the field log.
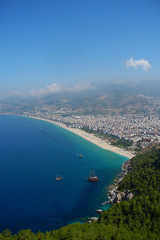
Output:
(32, 153)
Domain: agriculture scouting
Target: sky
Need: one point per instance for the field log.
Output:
(49, 45)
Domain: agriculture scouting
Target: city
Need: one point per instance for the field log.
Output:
(140, 130)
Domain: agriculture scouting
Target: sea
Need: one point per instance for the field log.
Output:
(32, 153)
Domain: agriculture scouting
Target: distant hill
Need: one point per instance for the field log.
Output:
(102, 98)
(105, 98)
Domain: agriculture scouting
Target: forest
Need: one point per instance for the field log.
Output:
(138, 218)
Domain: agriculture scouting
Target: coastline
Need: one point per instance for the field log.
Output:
(89, 137)
(112, 193)
(115, 195)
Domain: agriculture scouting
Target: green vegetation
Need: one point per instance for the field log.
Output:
(86, 129)
(116, 141)
(138, 218)
(122, 143)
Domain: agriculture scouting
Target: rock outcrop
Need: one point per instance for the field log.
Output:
(116, 196)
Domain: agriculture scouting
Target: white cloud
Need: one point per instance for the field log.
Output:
(49, 89)
(138, 63)
(55, 88)
(52, 88)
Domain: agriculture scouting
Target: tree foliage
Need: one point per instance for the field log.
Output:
(138, 218)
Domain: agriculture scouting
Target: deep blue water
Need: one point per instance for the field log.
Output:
(32, 153)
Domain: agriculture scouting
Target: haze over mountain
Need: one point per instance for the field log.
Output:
(55, 46)
(97, 97)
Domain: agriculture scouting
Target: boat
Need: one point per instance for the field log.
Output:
(92, 177)
(58, 178)
(99, 211)
(80, 155)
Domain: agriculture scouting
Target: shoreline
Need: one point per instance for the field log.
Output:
(89, 137)
(115, 195)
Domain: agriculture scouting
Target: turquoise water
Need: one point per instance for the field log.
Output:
(33, 152)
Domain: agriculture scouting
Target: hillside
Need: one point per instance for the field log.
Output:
(100, 99)
(138, 218)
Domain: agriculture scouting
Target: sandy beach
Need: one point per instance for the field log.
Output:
(91, 138)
